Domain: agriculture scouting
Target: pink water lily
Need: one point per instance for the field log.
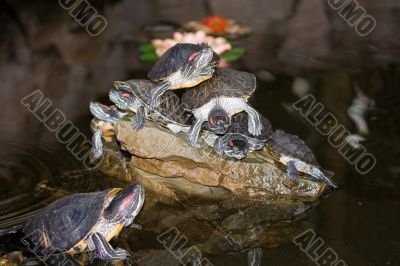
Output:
(218, 44)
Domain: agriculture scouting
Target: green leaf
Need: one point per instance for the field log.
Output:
(233, 55)
(146, 48)
(148, 57)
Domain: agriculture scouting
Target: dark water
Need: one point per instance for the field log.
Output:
(359, 221)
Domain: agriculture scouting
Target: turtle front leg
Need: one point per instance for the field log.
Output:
(97, 149)
(256, 144)
(105, 251)
(156, 92)
(291, 170)
(208, 71)
(138, 122)
(255, 126)
(194, 132)
(219, 146)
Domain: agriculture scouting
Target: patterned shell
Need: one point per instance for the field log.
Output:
(292, 145)
(174, 59)
(239, 124)
(170, 108)
(225, 82)
(65, 222)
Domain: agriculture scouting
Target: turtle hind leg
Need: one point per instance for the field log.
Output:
(291, 170)
(156, 92)
(255, 125)
(97, 149)
(105, 251)
(138, 122)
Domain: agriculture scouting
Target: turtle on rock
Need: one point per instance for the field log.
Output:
(132, 95)
(85, 222)
(237, 142)
(285, 148)
(294, 153)
(182, 66)
(106, 115)
(218, 99)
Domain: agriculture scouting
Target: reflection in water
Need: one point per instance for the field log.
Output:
(254, 257)
(35, 170)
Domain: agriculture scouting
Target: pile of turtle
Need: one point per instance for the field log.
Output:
(214, 106)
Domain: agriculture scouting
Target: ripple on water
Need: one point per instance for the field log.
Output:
(35, 173)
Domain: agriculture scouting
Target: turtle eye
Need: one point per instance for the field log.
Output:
(230, 143)
(193, 55)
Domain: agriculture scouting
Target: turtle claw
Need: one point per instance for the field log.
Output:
(97, 149)
(138, 124)
(291, 170)
(121, 254)
(193, 134)
(104, 250)
(136, 226)
(192, 141)
(255, 125)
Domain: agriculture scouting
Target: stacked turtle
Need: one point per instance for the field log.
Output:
(214, 106)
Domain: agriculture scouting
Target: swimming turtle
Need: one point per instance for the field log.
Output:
(218, 99)
(132, 94)
(107, 116)
(182, 66)
(85, 222)
(238, 141)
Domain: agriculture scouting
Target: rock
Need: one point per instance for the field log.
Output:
(158, 151)
(213, 219)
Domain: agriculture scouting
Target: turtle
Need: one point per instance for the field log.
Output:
(107, 117)
(297, 157)
(218, 99)
(132, 94)
(184, 65)
(85, 222)
(238, 141)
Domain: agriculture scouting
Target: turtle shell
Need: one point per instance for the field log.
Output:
(239, 124)
(293, 146)
(225, 82)
(170, 107)
(65, 222)
(174, 59)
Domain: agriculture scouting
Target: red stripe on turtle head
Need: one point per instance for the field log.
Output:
(230, 143)
(193, 55)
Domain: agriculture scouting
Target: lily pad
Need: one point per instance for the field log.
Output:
(233, 55)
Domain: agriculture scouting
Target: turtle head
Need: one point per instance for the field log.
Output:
(121, 95)
(219, 120)
(202, 58)
(125, 205)
(233, 145)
